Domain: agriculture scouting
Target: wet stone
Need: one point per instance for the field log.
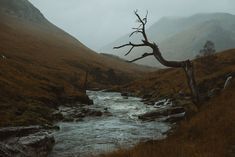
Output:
(28, 144)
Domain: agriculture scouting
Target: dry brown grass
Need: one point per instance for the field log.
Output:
(210, 132)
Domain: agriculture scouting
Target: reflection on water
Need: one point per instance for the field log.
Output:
(97, 135)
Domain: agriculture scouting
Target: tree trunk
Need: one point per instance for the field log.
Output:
(84, 87)
(188, 69)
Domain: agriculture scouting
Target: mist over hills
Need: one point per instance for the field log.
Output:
(182, 37)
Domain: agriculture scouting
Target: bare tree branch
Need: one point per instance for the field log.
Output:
(146, 17)
(139, 18)
(137, 28)
(140, 29)
(143, 23)
(135, 32)
(129, 44)
(143, 56)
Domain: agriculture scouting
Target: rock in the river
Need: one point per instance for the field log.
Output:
(33, 142)
(164, 103)
(106, 112)
(92, 112)
(161, 113)
(228, 81)
(57, 116)
(77, 113)
(17, 131)
(126, 94)
(38, 144)
(176, 117)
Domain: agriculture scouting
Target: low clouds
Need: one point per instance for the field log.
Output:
(98, 22)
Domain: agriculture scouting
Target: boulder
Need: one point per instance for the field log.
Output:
(25, 142)
(38, 144)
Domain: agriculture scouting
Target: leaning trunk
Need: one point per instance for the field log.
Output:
(188, 68)
(189, 71)
(84, 86)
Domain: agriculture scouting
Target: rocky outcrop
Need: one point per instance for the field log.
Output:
(78, 112)
(25, 142)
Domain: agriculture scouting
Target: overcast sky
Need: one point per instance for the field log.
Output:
(99, 22)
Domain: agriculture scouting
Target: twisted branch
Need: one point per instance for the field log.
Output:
(140, 29)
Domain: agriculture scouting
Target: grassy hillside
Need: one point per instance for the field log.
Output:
(208, 133)
(42, 66)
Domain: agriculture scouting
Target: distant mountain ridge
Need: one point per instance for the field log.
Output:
(182, 37)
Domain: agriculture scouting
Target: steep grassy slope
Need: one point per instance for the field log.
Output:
(41, 66)
(208, 133)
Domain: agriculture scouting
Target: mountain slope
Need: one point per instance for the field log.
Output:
(43, 66)
(182, 38)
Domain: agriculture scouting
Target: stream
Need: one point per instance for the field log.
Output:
(97, 135)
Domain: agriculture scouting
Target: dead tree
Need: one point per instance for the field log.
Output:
(187, 65)
(84, 86)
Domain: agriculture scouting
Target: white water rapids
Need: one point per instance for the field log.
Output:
(96, 135)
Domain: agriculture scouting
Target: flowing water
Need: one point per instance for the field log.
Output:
(96, 135)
